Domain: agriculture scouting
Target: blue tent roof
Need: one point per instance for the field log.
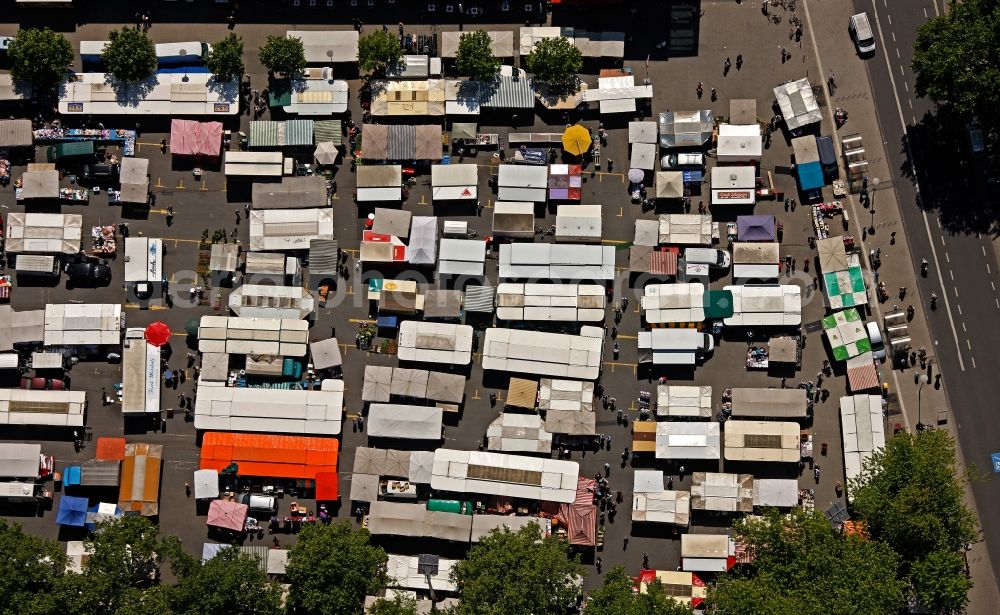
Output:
(810, 176)
(72, 511)
(71, 476)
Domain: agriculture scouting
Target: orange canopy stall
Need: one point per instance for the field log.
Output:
(139, 493)
(110, 449)
(269, 456)
(327, 487)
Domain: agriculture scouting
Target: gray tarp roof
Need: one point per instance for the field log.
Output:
(400, 519)
(442, 386)
(378, 380)
(364, 487)
(392, 222)
(20, 327)
(409, 382)
(291, 193)
(686, 128)
(443, 304)
(99, 473)
(573, 422)
(134, 180)
(40, 185)
(326, 353)
(215, 366)
(369, 460)
(479, 299)
(421, 466)
(224, 256)
(16, 133)
(324, 256)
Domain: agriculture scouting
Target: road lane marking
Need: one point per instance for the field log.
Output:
(983, 248)
(897, 48)
(955, 288)
(946, 257)
(888, 16)
(910, 102)
(959, 306)
(906, 86)
(925, 13)
(973, 359)
(627, 337)
(951, 274)
(968, 343)
(894, 40)
(902, 122)
(964, 330)
(903, 74)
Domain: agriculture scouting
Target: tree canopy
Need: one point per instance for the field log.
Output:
(555, 60)
(475, 56)
(956, 58)
(910, 496)
(616, 597)
(283, 54)
(517, 572)
(29, 569)
(226, 59)
(331, 569)
(802, 565)
(230, 582)
(129, 55)
(126, 555)
(399, 605)
(40, 57)
(378, 51)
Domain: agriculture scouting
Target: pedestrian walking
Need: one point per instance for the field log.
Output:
(613, 402)
(401, 28)
(715, 95)
(493, 399)
(163, 146)
(725, 67)
(187, 489)
(237, 213)
(645, 560)
(621, 415)
(607, 468)
(902, 292)
(816, 474)
(739, 61)
(784, 55)
(624, 303)
(700, 89)
(831, 81)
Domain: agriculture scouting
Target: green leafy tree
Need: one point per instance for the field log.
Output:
(226, 59)
(331, 569)
(126, 556)
(517, 572)
(283, 54)
(156, 599)
(378, 51)
(956, 58)
(399, 605)
(40, 57)
(30, 567)
(803, 565)
(230, 582)
(555, 61)
(475, 56)
(911, 497)
(616, 597)
(129, 55)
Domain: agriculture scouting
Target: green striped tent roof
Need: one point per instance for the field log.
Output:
(328, 130)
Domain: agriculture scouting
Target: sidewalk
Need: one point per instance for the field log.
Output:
(852, 85)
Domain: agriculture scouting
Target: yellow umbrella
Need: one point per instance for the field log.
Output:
(576, 140)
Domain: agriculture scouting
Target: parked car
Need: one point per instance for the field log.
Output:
(682, 161)
(5, 42)
(48, 384)
(861, 32)
(88, 272)
(877, 342)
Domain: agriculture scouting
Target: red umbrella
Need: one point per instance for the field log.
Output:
(158, 333)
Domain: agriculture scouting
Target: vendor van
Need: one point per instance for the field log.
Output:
(719, 259)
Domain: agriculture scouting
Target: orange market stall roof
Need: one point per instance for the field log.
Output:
(269, 456)
(139, 493)
(644, 436)
(522, 393)
(110, 449)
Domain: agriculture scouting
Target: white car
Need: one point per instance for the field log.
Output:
(680, 161)
(878, 344)
(5, 42)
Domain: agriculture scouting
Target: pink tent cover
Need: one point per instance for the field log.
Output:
(228, 515)
(191, 138)
(581, 515)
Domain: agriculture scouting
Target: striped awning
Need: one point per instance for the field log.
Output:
(324, 256)
(663, 262)
(479, 299)
(862, 377)
(402, 142)
(259, 552)
(264, 134)
(328, 130)
(507, 94)
(299, 132)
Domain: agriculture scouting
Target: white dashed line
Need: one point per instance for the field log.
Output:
(959, 306)
(888, 16)
(898, 57)
(946, 257)
(964, 330)
(955, 290)
(983, 248)
(973, 359)
(951, 274)
(942, 239)
(969, 344)
(925, 12)
(901, 70)
(988, 270)
(906, 86)
(910, 102)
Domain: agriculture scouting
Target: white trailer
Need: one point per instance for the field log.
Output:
(680, 302)
(762, 305)
(140, 375)
(254, 164)
(546, 354)
(551, 302)
(41, 407)
(674, 346)
(578, 223)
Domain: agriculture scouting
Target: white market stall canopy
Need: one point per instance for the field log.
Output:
(707, 552)
(254, 164)
(739, 143)
(318, 94)
(662, 506)
(267, 301)
(765, 305)
(482, 525)
(220, 408)
(546, 354)
(522, 183)
(43, 233)
(143, 259)
(257, 336)
(683, 440)
(642, 132)
(173, 94)
(669, 185)
(435, 342)
(321, 46)
(578, 223)
(423, 240)
(291, 193)
(551, 302)
(722, 492)
(756, 260)
(380, 182)
(545, 261)
(409, 572)
(643, 156)
(674, 401)
(514, 219)
(42, 407)
(863, 429)
(134, 179)
(734, 185)
(141, 374)
(450, 182)
(798, 105)
(769, 403)
(289, 229)
(565, 395)
(516, 476)
(776, 492)
(399, 519)
(83, 324)
(686, 128)
(686, 229)
(518, 433)
(405, 422)
(617, 94)
(762, 441)
(680, 302)
(464, 257)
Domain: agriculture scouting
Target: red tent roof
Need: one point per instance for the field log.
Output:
(227, 515)
(191, 138)
(110, 449)
(270, 456)
(581, 515)
(327, 487)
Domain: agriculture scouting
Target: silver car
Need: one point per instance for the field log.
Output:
(878, 344)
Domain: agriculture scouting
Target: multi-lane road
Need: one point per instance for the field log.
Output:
(963, 265)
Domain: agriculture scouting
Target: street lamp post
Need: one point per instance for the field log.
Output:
(922, 379)
(871, 204)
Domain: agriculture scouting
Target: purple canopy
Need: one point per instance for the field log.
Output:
(755, 228)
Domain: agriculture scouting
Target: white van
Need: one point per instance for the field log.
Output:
(861, 30)
(91, 51)
(36, 264)
(679, 161)
(182, 53)
(707, 256)
(674, 346)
